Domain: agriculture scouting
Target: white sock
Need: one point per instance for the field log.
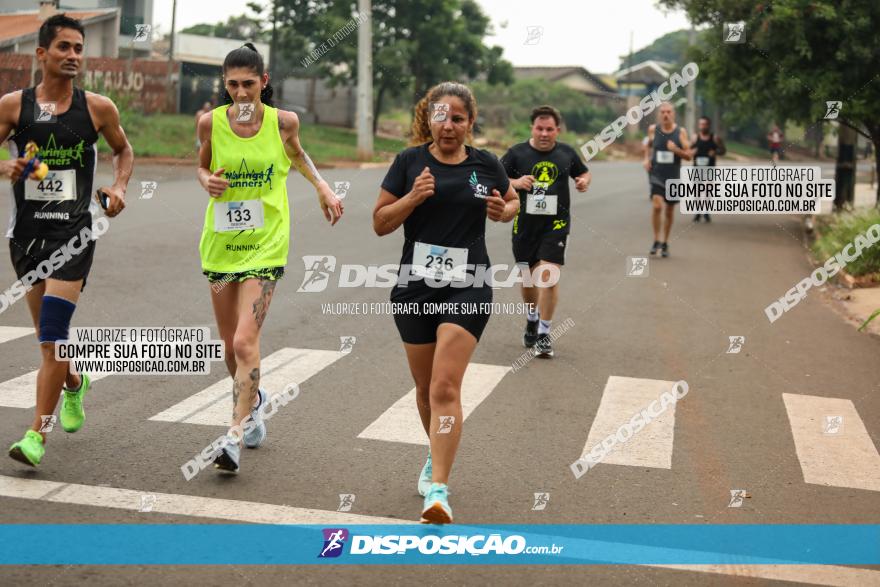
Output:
(544, 326)
(533, 316)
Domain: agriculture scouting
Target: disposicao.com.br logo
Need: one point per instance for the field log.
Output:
(320, 269)
(450, 544)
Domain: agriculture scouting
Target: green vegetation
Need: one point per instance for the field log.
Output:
(840, 230)
(798, 54)
(746, 150)
(159, 135)
(174, 135)
(671, 48)
(510, 106)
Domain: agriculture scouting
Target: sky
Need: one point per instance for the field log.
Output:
(590, 33)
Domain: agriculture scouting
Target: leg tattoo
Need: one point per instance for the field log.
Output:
(236, 389)
(261, 305)
(255, 382)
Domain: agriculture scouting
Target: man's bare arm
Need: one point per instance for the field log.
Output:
(646, 147)
(685, 145)
(10, 108)
(123, 155)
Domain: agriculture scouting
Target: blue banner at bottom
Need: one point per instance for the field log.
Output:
(203, 544)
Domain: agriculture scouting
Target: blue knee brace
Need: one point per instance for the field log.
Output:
(55, 315)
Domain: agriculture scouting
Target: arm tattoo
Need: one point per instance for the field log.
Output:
(261, 304)
(304, 165)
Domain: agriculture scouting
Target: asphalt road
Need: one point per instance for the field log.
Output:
(732, 431)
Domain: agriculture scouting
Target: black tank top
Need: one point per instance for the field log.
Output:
(671, 170)
(67, 143)
(704, 146)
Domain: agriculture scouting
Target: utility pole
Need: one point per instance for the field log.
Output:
(172, 99)
(273, 55)
(365, 81)
(690, 112)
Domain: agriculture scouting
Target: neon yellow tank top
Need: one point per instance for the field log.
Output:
(234, 237)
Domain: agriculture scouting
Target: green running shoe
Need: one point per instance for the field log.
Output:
(29, 450)
(72, 414)
(436, 509)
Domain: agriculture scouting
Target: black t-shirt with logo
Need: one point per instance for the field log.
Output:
(455, 216)
(551, 169)
(65, 142)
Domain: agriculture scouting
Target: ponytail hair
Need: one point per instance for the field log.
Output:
(248, 56)
(420, 132)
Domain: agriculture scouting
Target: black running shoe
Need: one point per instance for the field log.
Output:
(707, 218)
(665, 250)
(544, 347)
(530, 336)
(697, 218)
(655, 247)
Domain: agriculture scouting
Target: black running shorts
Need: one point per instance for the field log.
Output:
(34, 255)
(549, 246)
(420, 326)
(658, 188)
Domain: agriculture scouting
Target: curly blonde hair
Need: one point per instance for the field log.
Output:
(420, 132)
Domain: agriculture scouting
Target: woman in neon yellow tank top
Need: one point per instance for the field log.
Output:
(247, 148)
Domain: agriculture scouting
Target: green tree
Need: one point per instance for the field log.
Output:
(510, 106)
(242, 26)
(671, 48)
(798, 55)
(416, 43)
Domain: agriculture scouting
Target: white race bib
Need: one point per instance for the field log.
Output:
(541, 204)
(439, 263)
(243, 215)
(665, 156)
(55, 187)
(702, 161)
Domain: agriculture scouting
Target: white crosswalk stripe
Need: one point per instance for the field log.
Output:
(183, 505)
(213, 405)
(21, 392)
(622, 398)
(831, 441)
(401, 422)
(8, 333)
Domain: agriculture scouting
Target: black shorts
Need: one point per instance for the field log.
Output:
(421, 327)
(549, 246)
(658, 188)
(776, 149)
(34, 255)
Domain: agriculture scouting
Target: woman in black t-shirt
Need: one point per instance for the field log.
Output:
(442, 190)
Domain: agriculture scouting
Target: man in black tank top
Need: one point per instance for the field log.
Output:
(667, 145)
(53, 220)
(707, 146)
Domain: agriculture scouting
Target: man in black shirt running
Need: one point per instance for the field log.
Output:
(54, 220)
(707, 146)
(539, 169)
(666, 147)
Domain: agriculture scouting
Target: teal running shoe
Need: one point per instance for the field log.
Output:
(72, 414)
(437, 510)
(425, 477)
